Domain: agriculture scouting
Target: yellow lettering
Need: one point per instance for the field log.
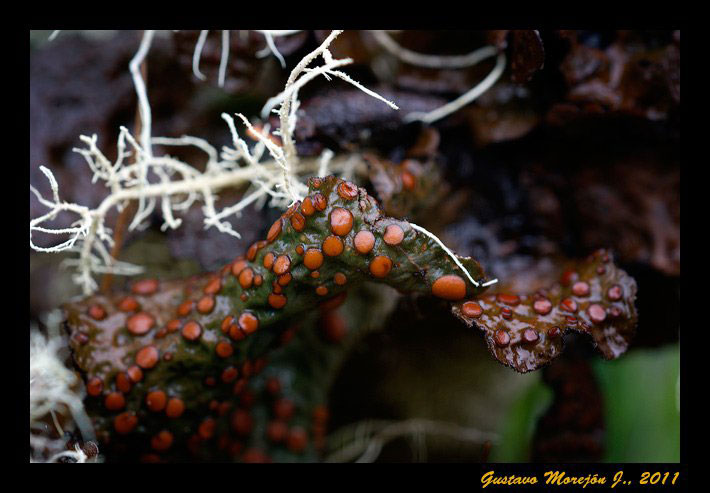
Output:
(486, 478)
(554, 477)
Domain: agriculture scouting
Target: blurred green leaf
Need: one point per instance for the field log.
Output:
(642, 409)
(519, 424)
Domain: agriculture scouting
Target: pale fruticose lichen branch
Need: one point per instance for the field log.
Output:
(465, 98)
(271, 44)
(289, 95)
(55, 392)
(433, 61)
(446, 62)
(197, 54)
(269, 48)
(174, 186)
(224, 57)
(363, 441)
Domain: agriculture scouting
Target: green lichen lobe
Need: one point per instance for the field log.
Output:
(209, 332)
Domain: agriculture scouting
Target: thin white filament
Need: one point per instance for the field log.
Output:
(272, 47)
(139, 83)
(198, 54)
(225, 57)
(433, 61)
(446, 249)
(464, 99)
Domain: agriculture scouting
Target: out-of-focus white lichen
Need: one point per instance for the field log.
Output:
(164, 183)
(56, 396)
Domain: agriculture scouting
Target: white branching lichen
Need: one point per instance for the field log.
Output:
(364, 441)
(175, 185)
(433, 61)
(224, 58)
(271, 44)
(463, 100)
(269, 48)
(197, 54)
(446, 62)
(55, 396)
(164, 185)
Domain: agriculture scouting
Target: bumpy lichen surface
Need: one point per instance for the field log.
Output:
(178, 369)
(156, 358)
(524, 330)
